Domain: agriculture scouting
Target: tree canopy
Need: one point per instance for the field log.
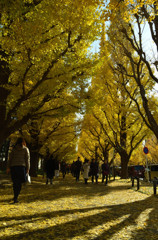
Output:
(48, 73)
(44, 54)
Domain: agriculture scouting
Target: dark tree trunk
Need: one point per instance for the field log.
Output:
(106, 154)
(124, 165)
(4, 92)
(34, 157)
(123, 153)
(96, 153)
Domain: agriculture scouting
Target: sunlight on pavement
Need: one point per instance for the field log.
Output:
(34, 223)
(97, 231)
(71, 211)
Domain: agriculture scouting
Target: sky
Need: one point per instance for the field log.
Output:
(148, 46)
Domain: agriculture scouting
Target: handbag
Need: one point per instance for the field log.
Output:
(28, 178)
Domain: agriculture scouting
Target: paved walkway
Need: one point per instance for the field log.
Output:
(69, 210)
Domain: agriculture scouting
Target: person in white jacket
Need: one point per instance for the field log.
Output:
(86, 168)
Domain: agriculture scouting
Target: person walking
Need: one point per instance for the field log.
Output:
(73, 170)
(78, 165)
(94, 170)
(86, 168)
(18, 165)
(105, 171)
(63, 168)
(50, 170)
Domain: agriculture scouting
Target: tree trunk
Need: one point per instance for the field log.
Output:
(124, 165)
(96, 154)
(34, 157)
(4, 93)
(123, 141)
(106, 154)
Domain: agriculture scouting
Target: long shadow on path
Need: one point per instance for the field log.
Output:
(128, 212)
(79, 227)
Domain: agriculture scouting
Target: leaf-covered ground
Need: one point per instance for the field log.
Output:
(69, 210)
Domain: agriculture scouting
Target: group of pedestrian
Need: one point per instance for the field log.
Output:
(51, 166)
(92, 170)
(19, 165)
(76, 169)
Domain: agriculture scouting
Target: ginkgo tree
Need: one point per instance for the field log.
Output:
(49, 137)
(137, 24)
(49, 134)
(151, 158)
(113, 109)
(93, 142)
(122, 126)
(43, 51)
(61, 143)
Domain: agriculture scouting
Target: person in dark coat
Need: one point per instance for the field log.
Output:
(78, 165)
(63, 168)
(86, 168)
(73, 171)
(94, 170)
(105, 171)
(50, 166)
(19, 165)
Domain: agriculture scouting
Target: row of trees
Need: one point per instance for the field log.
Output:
(44, 66)
(124, 109)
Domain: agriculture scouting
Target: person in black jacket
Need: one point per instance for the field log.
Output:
(63, 168)
(78, 165)
(50, 166)
(94, 170)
